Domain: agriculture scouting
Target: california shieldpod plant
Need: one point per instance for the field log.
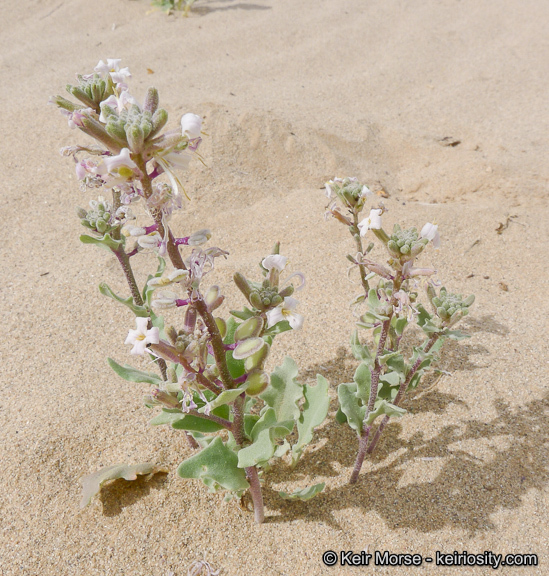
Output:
(211, 381)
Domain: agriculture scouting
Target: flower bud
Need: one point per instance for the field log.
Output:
(285, 292)
(151, 100)
(135, 137)
(171, 333)
(190, 319)
(221, 326)
(242, 285)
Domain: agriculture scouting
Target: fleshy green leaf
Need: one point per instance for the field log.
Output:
(266, 430)
(305, 493)
(216, 466)
(107, 242)
(91, 485)
(167, 416)
(278, 328)
(243, 314)
(456, 334)
(359, 351)
(313, 413)
(350, 405)
(140, 311)
(283, 393)
(227, 396)
(385, 408)
(133, 375)
(197, 424)
(363, 379)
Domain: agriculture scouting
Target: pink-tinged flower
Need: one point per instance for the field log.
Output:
(112, 67)
(141, 337)
(372, 222)
(285, 312)
(430, 232)
(121, 167)
(191, 124)
(275, 261)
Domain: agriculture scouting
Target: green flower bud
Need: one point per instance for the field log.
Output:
(442, 313)
(266, 301)
(151, 100)
(469, 300)
(159, 120)
(82, 213)
(277, 300)
(135, 137)
(242, 285)
(405, 249)
(171, 333)
(255, 300)
(101, 225)
(285, 292)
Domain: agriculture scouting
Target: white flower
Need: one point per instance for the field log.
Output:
(275, 261)
(112, 67)
(430, 231)
(191, 125)
(141, 337)
(373, 222)
(285, 312)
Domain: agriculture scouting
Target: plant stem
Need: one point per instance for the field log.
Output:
(257, 496)
(128, 272)
(376, 372)
(359, 247)
(400, 394)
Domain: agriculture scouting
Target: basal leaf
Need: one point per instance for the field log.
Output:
(305, 493)
(91, 485)
(216, 466)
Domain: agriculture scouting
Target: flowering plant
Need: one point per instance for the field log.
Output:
(392, 304)
(212, 382)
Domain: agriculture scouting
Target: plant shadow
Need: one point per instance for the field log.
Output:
(119, 494)
(201, 9)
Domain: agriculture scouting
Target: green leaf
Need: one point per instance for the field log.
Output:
(456, 335)
(167, 416)
(351, 406)
(363, 379)
(266, 430)
(106, 242)
(399, 324)
(198, 424)
(227, 396)
(91, 485)
(216, 466)
(359, 351)
(278, 328)
(305, 493)
(390, 378)
(340, 417)
(243, 314)
(132, 375)
(140, 311)
(385, 408)
(313, 413)
(283, 393)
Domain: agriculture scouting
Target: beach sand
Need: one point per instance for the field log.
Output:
(442, 104)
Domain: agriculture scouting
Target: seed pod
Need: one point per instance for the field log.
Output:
(242, 285)
(246, 348)
(256, 361)
(222, 326)
(249, 329)
(257, 383)
(285, 292)
(171, 333)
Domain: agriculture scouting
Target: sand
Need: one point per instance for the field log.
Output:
(443, 104)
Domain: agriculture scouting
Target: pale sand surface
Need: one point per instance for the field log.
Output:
(293, 92)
